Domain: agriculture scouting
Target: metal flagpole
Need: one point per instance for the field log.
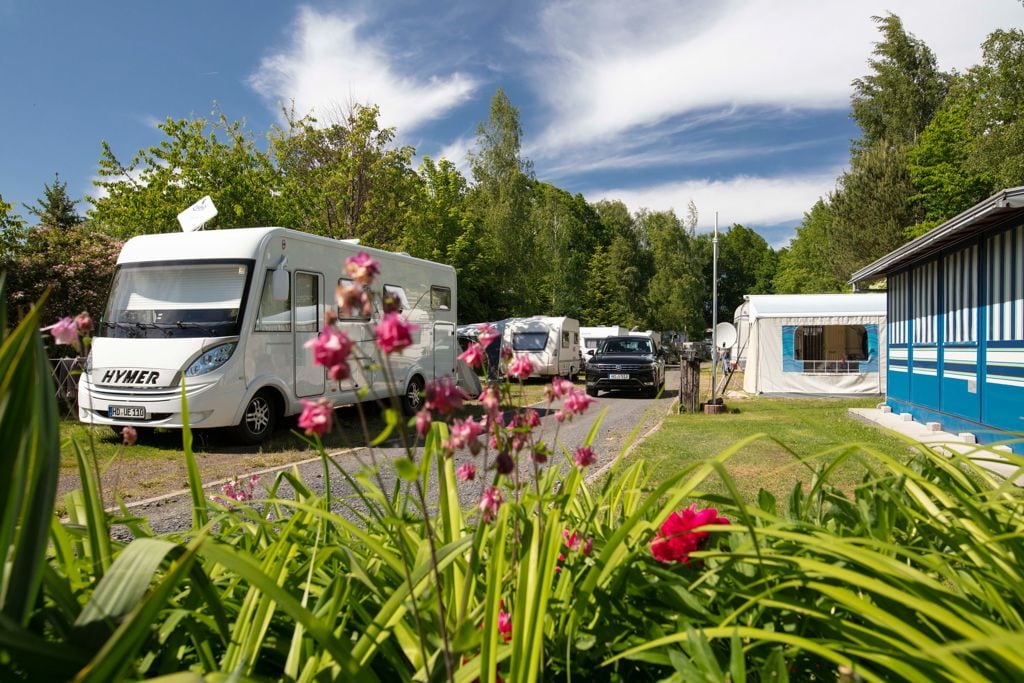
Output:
(714, 311)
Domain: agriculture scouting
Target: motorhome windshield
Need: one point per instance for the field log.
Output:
(194, 299)
(529, 341)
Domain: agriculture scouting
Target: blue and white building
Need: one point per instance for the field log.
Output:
(956, 322)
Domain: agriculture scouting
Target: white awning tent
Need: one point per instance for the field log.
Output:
(812, 343)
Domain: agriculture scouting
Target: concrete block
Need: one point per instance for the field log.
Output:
(906, 417)
(885, 409)
(1003, 449)
(967, 437)
(933, 426)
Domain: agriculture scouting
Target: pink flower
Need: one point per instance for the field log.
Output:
(241, 491)
(331, 349)
(506, 352)
(64, 331)
(572, 539)
(316, 416)
(558, 388)
(490, 503)
(393, 333)
(466, 472)
(576, 402)
(129, 436)
(362, 268)
(505, 624)
(466, 433)
(490, 398)
(559, 416)
(83, 322)
(584, 456)
(423, 423)
(588, 546)
(521, 368)
(473, 355)
(540, 453)
(487, 333)
(353, 301)
(443, 395)
(531, 418)
(677, 537)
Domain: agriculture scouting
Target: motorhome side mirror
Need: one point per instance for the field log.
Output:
(279, 285)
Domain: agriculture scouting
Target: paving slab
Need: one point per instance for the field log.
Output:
(990, 457)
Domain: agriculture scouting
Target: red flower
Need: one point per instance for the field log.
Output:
(316, 416)
(677, 537)
(521, 367)
(393, 333)
(473, 355)
(443, 395)
(584, 456)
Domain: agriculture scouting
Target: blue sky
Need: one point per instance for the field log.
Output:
(742, 107)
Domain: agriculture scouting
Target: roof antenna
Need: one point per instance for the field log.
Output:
(196, 216)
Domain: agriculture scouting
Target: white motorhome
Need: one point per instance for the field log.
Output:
(591, 337)
(227, 312)
(551, 343)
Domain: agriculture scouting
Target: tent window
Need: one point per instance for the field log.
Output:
(831, 349)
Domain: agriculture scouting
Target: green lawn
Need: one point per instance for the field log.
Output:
(793, 430)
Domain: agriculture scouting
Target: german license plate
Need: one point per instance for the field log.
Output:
(133, 412)
(618, 376)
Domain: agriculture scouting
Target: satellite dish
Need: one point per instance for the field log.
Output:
(725, 335)
(195, 216)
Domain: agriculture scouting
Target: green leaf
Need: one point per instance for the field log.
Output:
(406, 469)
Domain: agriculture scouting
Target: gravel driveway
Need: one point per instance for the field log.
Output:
(622, 414)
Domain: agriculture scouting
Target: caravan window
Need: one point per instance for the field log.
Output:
(529, 341)
(307, 302)
(591, 343)
(274, 316)
(440, 298)
(565, 339)
(344, 282)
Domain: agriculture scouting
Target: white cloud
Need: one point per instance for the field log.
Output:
(610, 67)
(457, 152)
(329, 66)
(750, 201)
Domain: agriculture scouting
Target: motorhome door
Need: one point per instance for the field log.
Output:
(308, 313)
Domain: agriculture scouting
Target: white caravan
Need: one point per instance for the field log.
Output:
(228, 313)
(552, 344)
(591, 338)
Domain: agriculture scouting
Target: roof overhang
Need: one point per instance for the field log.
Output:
(998, 208)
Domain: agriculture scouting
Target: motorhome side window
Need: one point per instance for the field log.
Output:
(565, 340)
(343, 314)
(275, 315)
(395, 299)
(307, 302)
(440, 298)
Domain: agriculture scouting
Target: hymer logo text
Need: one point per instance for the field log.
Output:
(130, 377)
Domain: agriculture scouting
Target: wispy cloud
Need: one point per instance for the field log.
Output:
(604, 67)
(750, 201)
(330, 65)
(457, 152)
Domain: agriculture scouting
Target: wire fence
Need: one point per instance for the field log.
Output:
(65, 373)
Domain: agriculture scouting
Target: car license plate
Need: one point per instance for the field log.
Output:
(134, 412)
(618, 376)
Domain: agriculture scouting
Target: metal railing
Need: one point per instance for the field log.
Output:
(831, 367)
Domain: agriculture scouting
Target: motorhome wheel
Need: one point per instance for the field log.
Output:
(258, 419)
(412, 399)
